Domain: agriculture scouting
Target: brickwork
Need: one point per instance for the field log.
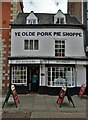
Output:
(9, 12)
(0, 64)
(75, 8)
(0, 52)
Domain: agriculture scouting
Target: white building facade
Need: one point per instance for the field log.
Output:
(55, 50)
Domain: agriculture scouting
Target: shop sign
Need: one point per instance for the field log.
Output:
(48, 33)
(37, 61)
(24, 61)
(82, 62)
(61, 62)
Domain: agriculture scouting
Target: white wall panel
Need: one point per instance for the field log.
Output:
(81, 75)
(74, 44)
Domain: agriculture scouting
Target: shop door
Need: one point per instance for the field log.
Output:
(29, 80)
(34, 78)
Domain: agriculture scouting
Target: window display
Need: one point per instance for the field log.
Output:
(59, 76)
(19, 75)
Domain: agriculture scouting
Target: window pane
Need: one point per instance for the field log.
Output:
(60, 48)
(35, 44)
(62, 20)
(59, 76)
(31, 44)
(58, 21)
(18, 76)
(26, 44)
(31, 21)
(34, 21)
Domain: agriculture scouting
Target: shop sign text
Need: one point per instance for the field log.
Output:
(69, 34)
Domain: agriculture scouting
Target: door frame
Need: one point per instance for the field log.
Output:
(29, 75)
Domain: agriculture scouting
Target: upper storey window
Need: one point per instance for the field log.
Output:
(32, 19)
(60, 21)
(59, 18)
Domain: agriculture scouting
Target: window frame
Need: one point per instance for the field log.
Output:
(59, 20)
(17, 72)
(52, 76)
(31, 21)
(60, 49)
(31, 44)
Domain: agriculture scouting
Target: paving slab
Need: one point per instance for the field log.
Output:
(45, 106)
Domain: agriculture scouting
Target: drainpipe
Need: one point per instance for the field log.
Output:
(85, 39)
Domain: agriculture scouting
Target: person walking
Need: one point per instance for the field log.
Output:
(34, 82)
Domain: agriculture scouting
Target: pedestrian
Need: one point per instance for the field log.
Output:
(34, 82)
(69, 97)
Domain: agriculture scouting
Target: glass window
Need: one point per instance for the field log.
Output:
(31, 21)
(58, 76)
(19, 75)
(59, 48)
(36, 45)
(60, 21)
(31, 44)
(26, 44)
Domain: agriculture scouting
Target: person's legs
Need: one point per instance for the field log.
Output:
(34, 87)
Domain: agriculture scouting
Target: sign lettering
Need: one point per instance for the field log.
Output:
(69, 34)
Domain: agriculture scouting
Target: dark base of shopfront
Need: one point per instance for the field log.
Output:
(46, 90)
(56, 90)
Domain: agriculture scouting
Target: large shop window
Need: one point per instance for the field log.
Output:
(59, 76)
(60, 48)
(19, 75)
(31, 44)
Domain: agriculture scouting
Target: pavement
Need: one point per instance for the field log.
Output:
(44, 106)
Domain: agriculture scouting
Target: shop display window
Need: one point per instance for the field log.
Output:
(59, 76)
(19, 75)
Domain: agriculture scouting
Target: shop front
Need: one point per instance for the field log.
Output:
(51, 74)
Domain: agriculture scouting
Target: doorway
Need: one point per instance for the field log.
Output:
(33, 78)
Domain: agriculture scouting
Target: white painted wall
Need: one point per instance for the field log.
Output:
(74, 45)
(43, 80)
(81, 75)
